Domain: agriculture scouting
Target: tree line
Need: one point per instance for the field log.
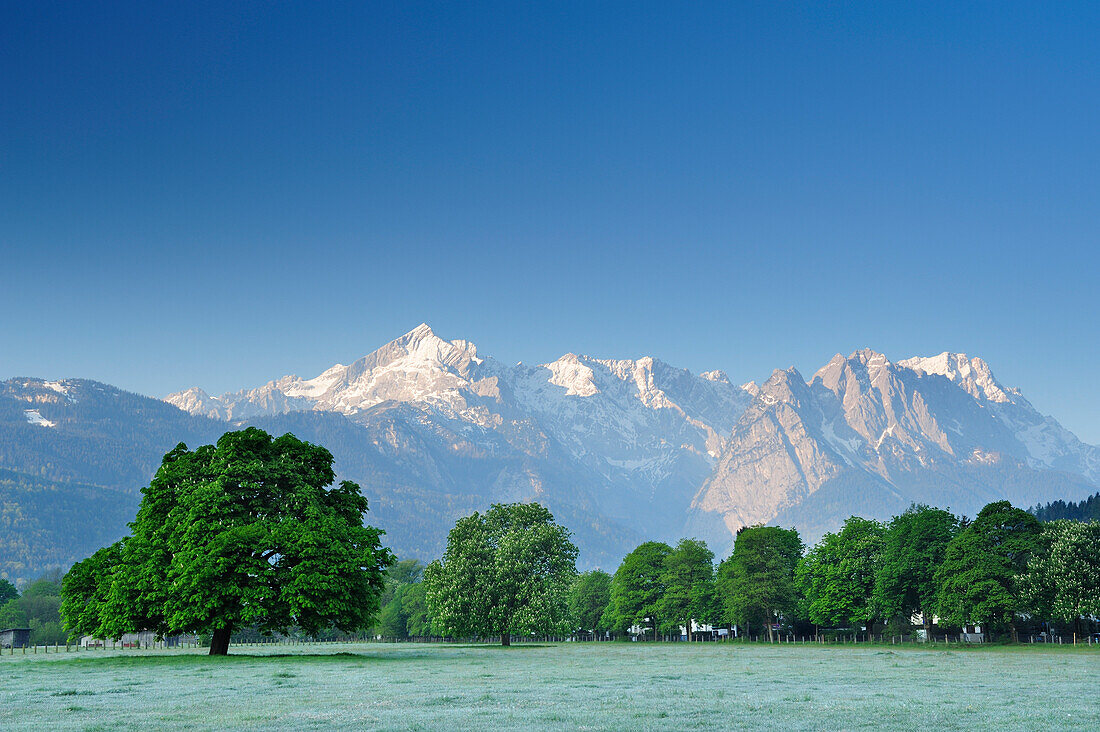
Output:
(1001, 571)
(37, 607)
(248, 536)
(1085, 510)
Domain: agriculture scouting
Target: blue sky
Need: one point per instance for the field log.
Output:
(219, 194)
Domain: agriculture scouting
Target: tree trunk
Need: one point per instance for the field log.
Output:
(771, 637)
(505, 638)
(219, 642)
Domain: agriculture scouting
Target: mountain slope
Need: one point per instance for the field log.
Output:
(87, 432)
(868, 436)
(619, 446)
(46, 524)
(620, 450)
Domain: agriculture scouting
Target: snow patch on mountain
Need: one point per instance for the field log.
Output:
(34, 417)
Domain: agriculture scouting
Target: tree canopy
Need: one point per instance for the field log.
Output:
(756, 581)
(1063, 578)
(837, 576)
(38, 608)
(7, 591)
(588, 600)
(503, 572)
(638, 587)
(401, 599)
(978, 578)
(688, 579)
(242, 533)
(913, 548)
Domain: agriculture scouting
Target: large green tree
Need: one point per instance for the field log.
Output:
(589, 597)
(837, 576)
(1063, 577)
(913, 549)
(638, 586)
(756, 582)
(688, 579)
(7, 591)
(978, 580)
(245, 533)
(503, 572)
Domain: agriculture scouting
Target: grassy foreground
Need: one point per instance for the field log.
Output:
(565, 686)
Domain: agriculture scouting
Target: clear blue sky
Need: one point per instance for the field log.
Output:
(218, 194)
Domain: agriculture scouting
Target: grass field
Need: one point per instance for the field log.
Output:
(566, 686)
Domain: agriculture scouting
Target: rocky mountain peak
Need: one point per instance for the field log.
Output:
(718, 376)
(971, 373)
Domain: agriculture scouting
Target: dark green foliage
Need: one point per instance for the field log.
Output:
(38, 609)
(688, 579)
(241, 534)
(414, 604)
(1086, 510)
(12, 615)
(507, 571)
(978, 580)
(588, 600)
(7, 591)
(392, 621)
(402, 598)
(638, 587)
(404, 572)
(913, 549)
(837, 577)
(756, 583)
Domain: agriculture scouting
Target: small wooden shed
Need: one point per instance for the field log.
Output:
(15, 637)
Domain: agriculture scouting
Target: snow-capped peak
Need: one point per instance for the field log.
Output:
(972, 374)
(718, 376)
(576, 377)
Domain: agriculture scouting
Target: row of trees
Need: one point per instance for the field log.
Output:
(246, 534)
(1085, 510)
(511, 571)
(925, 563)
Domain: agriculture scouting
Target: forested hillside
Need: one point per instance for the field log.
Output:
(88, 432)
(1086, 510)
(46, 524)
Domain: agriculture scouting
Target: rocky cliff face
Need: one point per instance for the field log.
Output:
(868, 436)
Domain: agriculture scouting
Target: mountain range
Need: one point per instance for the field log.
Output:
(620, 450)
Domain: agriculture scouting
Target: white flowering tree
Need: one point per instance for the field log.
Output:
(507, 571)
(1063, 578)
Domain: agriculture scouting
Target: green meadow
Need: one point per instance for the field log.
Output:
(612, 686)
